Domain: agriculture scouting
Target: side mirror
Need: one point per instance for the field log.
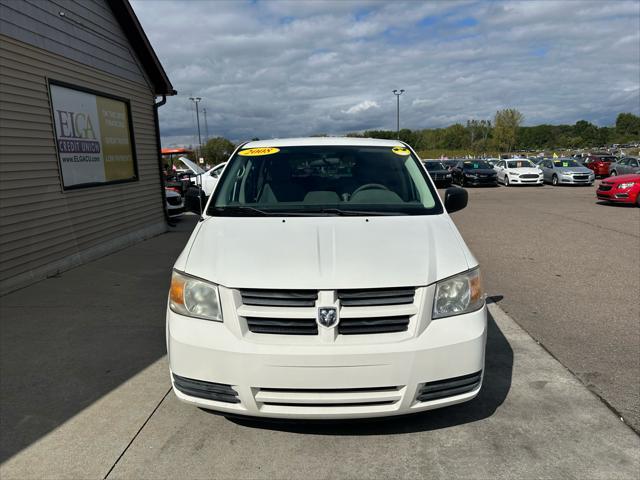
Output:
(455, 199)
(194, 200)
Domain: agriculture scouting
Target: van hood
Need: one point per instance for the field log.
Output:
(326, 252)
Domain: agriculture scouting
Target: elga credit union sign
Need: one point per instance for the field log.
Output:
(93, 137)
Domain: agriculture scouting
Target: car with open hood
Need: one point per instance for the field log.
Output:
(474, 173)
(326, 279)
(565, 171)
(518, 171)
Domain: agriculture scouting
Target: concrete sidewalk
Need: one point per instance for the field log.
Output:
(86, 394)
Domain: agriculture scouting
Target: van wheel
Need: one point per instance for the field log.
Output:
(554, 180)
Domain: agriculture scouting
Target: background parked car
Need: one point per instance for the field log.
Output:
(599, 163)
(439, 173)
(620, 189)
(518, 172)
(175, 204)
(625, 165)
(474, 172)
(566, 171)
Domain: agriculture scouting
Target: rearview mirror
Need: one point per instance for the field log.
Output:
(455, 199)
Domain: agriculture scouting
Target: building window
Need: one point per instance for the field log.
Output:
(94, 137)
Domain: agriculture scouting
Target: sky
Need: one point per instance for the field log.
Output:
(270, 69)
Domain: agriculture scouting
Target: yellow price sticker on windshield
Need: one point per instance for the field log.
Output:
(401, 151)
(257, 152)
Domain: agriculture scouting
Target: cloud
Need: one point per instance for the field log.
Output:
(292, 68)
(361, 107)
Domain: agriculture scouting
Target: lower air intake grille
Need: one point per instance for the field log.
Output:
(448, 388)
(201, 389)
(283, 326)
(279, 298)
(363, 326)
(376, 297)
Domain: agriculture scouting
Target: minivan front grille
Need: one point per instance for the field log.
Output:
(376, 297)
(332, 398)
(368, 325)
(279, 298)
(282, 326)
(449, 387)
(208, 390)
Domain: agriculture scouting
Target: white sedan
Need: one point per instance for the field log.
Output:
(207, 179)
(518, 171)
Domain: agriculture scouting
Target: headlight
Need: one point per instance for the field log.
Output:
(448, 175)
(193, 297)
(514, 174)
(458, 295)
(624, 186)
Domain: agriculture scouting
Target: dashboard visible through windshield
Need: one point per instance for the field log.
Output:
(324, 180)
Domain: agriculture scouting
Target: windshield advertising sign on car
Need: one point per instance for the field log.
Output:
(93, 137)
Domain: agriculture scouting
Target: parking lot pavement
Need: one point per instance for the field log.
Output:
(533, 419)
(95, 400)
(566, 268)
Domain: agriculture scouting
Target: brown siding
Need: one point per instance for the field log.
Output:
(40, 224)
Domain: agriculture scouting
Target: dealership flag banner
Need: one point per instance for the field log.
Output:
(93, 137)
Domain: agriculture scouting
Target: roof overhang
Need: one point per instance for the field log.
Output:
(141, 46)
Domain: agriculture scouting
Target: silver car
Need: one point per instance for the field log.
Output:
(625, 165)
(565, 171)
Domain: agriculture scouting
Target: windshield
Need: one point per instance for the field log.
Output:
(324, 180)
(566, 163)
(519, 164)
(477, 164)
(434, 166)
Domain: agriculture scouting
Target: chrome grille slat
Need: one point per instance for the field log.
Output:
(376, 297)
(363, 326)
(282, 326)
(279, 298)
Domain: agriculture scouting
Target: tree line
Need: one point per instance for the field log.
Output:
(505, 133)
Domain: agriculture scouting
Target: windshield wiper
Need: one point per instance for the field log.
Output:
(241, 210)
(340, 212)
(244, 210)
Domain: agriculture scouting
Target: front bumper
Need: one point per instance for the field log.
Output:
(526, 181)
(617, 196)
(566, 180)
(474, 181)
(286, 379)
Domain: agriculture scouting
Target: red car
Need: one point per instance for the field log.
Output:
(600, 163)
(620, 189)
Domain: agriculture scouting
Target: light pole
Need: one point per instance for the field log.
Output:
(196, 100)
(397, 93)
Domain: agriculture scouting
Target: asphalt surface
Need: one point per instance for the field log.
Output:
(86, 390)
(567, 269)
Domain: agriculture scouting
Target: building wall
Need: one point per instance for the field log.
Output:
(43, 229)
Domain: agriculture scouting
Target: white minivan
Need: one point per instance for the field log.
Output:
(325, 279)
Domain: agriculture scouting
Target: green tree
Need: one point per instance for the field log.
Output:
(505, 128)
(217, 150)
(628, 125)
